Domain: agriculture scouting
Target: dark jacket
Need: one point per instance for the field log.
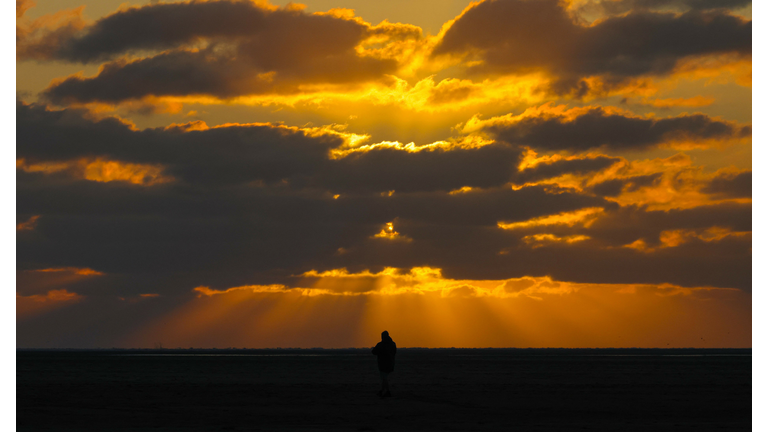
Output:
(385, 351)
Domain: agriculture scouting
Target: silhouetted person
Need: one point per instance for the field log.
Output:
(385, 351)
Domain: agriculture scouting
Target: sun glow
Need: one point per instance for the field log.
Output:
(389, 233)
(492, 173)
(421, 307)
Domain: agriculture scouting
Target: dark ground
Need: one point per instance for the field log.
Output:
(444, 389)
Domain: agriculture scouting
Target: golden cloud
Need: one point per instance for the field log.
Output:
(678, 237)
(428, 281)
(388, 232)
(584, 217)
(100, 170)
(539, 240)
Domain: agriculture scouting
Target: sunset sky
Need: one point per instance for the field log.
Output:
(508, 173)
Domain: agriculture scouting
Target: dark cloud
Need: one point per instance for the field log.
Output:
(236, 154)
(210, 73)
(178, 73)
(275, 154)
(603, 258)
(520, 36)
(385, 169)
(165, 25)
(481, 253)
(229, 219)
(140, 236)
(614, 7)
(252, 153)
(600, 128)
(214, 225)
(608, 188)
(170, 239)
(731, 185)
(631, 223)
(220, 48)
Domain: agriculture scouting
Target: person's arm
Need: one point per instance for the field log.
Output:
(375, 350)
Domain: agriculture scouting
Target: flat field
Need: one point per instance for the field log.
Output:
(434, 390)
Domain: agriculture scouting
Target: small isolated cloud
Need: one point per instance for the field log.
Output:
(539, 240)
(72, 270)
(29, 224)
(388, 232)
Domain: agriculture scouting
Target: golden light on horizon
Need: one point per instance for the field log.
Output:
(421, 308)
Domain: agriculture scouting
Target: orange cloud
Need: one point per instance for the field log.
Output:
(54, 279)
(100, 170)
(39, 39)
(29, 225)
(421, 281)
(22, 6)
(678, 183)
(678, 237)
(716, 69)
(33, 305)
(584, 217)
(667, 183)
(74, 270)
(538, 240)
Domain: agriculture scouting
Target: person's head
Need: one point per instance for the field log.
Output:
(385, 335)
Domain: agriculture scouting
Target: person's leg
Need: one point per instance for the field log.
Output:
(385, 385)
(383, 377)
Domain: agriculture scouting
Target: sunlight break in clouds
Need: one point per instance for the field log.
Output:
(433, 310)
(241, 173)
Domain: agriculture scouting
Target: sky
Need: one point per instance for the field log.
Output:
(509, 173)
